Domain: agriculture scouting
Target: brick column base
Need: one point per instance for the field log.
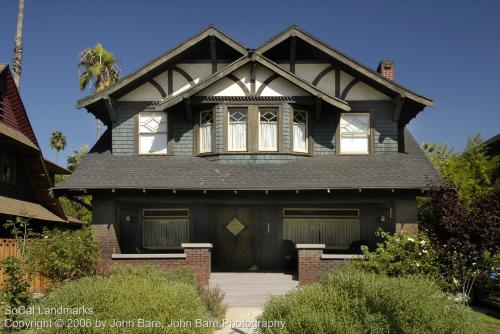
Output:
(313, 264)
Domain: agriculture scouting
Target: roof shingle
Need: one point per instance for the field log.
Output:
(101, 170)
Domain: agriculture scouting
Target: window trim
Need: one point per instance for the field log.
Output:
(278, 130)
(322, 216)
(167, 133)
(212, 133)
(369, 134)
(308, 141)
(226, 129)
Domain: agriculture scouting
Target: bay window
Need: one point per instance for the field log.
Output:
(152, 133)
(206, 128)
(355, 133)
(268, 129)
(237, 129)
(300, 131)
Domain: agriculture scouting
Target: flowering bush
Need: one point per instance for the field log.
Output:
(400, 255)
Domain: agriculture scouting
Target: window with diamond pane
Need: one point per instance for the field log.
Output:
(354, 133)
(237, 129)
(152, 133)
(268, 129)
(206, 126)
(300, 131)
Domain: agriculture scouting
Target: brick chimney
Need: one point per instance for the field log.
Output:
(386, 69)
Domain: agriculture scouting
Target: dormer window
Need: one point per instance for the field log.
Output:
(237, 129)
(300, 131)
(268, 129)
(355, 133)
(206, 128)
(152, 133)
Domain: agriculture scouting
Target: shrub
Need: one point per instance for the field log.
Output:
(401, 255)
(354, 301)
(62, 255)
(130, 294)
(212, 298)
(462, 235)
(15, 288)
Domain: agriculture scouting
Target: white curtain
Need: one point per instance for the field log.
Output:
(237, 133)
(269, 136)
(206, 138)
(160, 234)
(299, 137)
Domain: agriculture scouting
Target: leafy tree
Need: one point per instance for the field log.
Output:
(465, 241)
(98, 70)
(471, 172)
(76, 158)
(57, 142)
(72, 208)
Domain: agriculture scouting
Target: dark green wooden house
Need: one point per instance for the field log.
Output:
(253, 150)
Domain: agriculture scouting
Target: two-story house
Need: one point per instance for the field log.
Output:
(26, 178)
(253, 149)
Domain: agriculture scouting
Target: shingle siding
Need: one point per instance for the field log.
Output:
(286, 127)
(219, 128)
(324, 135)
(182, 137)
(123, 138)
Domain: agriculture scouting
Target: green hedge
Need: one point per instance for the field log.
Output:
(353, 301)
(131, 294)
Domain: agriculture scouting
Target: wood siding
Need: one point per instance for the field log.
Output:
(323, 132)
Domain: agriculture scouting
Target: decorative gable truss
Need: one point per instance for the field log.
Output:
(293, 63)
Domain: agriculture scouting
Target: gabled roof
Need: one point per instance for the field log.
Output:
(102, 170)
(17, 207)
(363, 70)
(157, 62)
(17, 135)
(258, 58)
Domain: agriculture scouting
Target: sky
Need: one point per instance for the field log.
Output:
(446, 50)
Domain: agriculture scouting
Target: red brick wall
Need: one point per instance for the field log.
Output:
(197, 259)
(311, 265)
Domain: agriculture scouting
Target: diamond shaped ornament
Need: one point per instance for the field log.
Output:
(235, 227)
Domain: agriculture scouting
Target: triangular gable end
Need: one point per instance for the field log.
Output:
(154, 81)
(294, 48)
(270, 80)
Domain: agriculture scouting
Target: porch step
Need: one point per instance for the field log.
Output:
(251, 289)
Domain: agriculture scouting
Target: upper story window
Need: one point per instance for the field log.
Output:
(152, 133)
(237, 129)
(7, 168)
(355, 133)
(206, 128)
(268, 129)
(300, 131)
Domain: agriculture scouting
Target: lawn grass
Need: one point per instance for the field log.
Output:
(490, 322)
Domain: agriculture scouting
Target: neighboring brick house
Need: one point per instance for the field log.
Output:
(253, 151)
(26, 178)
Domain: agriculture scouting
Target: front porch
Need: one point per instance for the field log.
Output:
(247, 231)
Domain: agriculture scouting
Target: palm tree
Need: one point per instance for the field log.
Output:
(98, 69)
(57, 142)
(18, 45)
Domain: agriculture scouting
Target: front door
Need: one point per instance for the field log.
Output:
(236, 242)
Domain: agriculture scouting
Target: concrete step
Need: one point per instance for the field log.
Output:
(252, 289)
